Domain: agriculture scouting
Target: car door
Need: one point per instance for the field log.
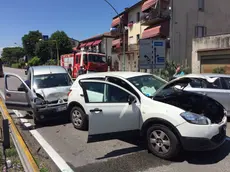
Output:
(18, 95)
(110, 114)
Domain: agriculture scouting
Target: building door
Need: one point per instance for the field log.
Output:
(209, 63)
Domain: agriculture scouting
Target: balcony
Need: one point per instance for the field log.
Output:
(133, 47)
(117, 45)
(118, 32)
(155, 14)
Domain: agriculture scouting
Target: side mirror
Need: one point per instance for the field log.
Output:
(131, 99)
(26, 72)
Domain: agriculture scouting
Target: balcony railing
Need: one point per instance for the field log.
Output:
(133, 47)
(155, 15)
(118, 32)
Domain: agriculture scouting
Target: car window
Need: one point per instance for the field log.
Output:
(147, 84)
(216, 85)
(104, 93)
(197, 83)
(51, 80)
(226, 82)
(123, 84)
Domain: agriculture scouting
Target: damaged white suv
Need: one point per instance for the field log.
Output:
(114, 104)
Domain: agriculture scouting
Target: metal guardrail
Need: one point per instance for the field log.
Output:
(25, 156)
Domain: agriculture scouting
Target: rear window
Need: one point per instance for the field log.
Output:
(52, 80)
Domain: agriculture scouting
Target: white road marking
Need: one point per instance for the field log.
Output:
(57, 159)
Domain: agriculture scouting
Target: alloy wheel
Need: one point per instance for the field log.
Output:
(160, 142)
(77, 118)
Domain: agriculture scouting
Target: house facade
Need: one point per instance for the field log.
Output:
(177, 22)
(100, 44)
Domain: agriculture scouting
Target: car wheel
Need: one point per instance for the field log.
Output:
(162, 142)
(78, 118)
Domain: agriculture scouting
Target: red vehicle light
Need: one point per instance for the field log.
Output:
(69, 92)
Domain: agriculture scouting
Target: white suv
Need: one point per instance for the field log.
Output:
(116, 103)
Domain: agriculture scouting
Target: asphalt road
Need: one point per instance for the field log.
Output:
(122, 155)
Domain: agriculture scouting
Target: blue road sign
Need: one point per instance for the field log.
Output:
(45, 37)
(160, 59)
(158, 44)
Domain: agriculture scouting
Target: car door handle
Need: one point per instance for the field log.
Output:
(95, 110)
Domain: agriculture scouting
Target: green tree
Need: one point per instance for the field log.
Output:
(220, 70)
(29, 42)
(63, 43)
(12, 55)
(44, 51)
(35, 61)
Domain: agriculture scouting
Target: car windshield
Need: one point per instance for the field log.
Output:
(52, 80)
(97, 58)
(147, 84)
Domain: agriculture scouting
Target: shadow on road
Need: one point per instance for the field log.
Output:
(207, 157)
(138, 145)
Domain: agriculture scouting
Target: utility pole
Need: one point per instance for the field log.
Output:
(122, 25)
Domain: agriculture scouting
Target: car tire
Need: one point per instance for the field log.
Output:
(162, 142)
(78, 118)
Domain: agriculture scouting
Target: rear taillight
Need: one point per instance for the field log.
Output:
(69, 92)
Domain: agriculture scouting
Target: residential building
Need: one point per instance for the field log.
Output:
(100, 43)
(143, 22)
(211, 52)
(177, 22)
(120, 33)
(196, 19)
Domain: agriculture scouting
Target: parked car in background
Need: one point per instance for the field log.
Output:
(44, 93)
(117, 104)
(219, 89)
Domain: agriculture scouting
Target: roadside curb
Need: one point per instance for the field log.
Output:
(26, 157)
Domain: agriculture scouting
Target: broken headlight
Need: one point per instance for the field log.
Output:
(195, 118)
(39, 101)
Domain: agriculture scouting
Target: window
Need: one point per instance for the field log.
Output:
(197, 83)
(200, 31)
(147, 84)
(123, 84)
(216, 85)
(138, 16)
(52, 80)
(97, 58)
(138, 37)
(226, 82)
(201, 5)
(104, 93)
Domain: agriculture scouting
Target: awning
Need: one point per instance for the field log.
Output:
(116, 42)
(89, 44)
(148, 4)
(162, 29)
(97, 42)
(82, 45)
(116, 21)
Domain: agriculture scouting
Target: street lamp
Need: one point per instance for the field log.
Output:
(121, 22)
(56, 49)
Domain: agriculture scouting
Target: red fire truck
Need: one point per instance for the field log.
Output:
(91, 62)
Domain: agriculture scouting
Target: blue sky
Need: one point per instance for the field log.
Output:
(80, 19)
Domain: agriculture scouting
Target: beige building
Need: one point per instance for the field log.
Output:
(176, 21)
(211, 52)
(196, 19)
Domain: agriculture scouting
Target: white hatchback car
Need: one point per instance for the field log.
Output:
(114, 104)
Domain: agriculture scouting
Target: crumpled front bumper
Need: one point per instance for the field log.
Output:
(50, 110)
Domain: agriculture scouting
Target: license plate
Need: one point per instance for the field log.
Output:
(62, 108)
